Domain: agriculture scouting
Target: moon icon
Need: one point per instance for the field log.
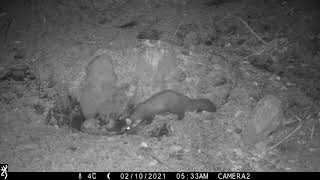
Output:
(108, 175)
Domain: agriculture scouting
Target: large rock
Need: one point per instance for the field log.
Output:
(265, 118)
(98, 87)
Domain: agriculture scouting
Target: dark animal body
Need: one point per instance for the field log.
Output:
(167, 101)
(76, 114)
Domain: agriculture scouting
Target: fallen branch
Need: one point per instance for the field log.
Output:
(289, 135)
(285, 138)
(246, 24)
(251, 30)
(312, 131)
(175, 33)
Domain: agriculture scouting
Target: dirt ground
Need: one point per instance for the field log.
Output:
(272, 47)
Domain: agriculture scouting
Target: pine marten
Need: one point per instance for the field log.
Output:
(167, 101)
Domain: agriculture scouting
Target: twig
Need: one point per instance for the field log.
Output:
(289, 135)
(185, 59)
(224, 18)
(95, 8)
(285, 126)
(256, 53)
(251, 30)
(246, 24)
(312, 132)
(298, 118)
(285, 138)
(175, 33)
(267, 48)
(160, 162)
(242, 45)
